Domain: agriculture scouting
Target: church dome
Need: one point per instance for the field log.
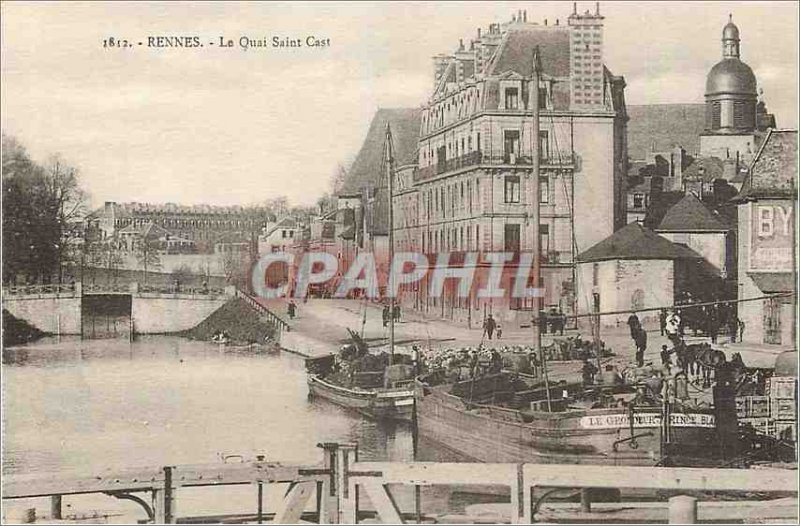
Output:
(731, 75)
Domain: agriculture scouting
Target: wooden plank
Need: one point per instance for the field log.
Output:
(292, 506)
(433, 473)
(146, 479)
(554, 475)
(383, 503)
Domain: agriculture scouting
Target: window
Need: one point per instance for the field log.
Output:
(738, 114)
(510, 146)
(511, 238)
(638, 200)
(542, 98)
(544, 239)
(544, 189)
(283, 234)
(478, 142)
(477, 238)
(715, 115)
(511, 193)
(512, 98)
(544, 145)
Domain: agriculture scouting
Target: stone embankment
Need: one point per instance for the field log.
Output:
(238, 319)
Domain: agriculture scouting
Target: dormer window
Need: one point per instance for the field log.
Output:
(512, 98)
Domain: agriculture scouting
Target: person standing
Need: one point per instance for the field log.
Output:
(396, 313)
(673, 328)
(733, 327)
(291, 309)
(640, 339)
(385, 314)
(665, 360)
(741, 329)
(662, 320)
(588, 372)
(634, 324)
(489, 326)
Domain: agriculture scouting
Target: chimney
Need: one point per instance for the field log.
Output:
(574, 8)
(479, 32)
(597, 8)
(545, 21)
(461, 44)
(519, 15)
(525, 15)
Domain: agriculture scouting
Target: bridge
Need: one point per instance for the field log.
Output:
(84, 309)
(332, 492)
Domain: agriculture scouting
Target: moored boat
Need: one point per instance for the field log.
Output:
(364, 382)
(505, 418)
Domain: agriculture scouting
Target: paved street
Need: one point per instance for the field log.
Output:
(325, 321)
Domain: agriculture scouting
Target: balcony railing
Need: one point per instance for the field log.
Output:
(482, 158)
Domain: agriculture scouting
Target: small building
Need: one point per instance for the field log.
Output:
(635, 268)
(691, 223)
(162, 240)
(280, 236)
(766, 246)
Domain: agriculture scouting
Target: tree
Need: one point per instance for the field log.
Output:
(338, 180)
(41, 208)
(147, 254)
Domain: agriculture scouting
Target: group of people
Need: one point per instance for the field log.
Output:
(388, 314)
(710, 319)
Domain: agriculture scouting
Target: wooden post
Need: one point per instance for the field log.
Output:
(586, 500)
(165, 499)
(55, 507)
(683, 510)
(330, 489)
(260, 511)
(348, 496)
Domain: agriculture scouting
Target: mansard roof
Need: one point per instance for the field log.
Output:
(516, 51)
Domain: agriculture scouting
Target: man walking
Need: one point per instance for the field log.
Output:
(386, 313)
(291, 309)
(662, 320)
(489, 326)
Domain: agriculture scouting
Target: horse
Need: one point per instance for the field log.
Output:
(701, 360)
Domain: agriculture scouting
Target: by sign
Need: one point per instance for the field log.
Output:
(771, 236)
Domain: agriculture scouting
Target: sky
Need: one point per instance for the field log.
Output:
(233, 126)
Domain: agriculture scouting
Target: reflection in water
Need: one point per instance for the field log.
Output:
(94, 405)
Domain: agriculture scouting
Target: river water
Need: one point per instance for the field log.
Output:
(93, 405)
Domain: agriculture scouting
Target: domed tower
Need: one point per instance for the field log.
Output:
(731, 94)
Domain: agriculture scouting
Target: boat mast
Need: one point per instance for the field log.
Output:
(536, 246)
(390, 177)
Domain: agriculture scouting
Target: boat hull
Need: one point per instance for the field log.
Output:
(380, 404)
(601, 436)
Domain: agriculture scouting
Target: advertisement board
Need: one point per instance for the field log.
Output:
(771, 235)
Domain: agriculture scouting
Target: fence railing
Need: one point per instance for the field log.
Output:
(69, 289)
(488, 158)
(328, 493)
(273, 319)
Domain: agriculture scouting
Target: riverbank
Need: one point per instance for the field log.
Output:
(17, 331)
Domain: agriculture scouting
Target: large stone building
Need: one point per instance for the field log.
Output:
(767, 242)
(205, 228)
(473, 187)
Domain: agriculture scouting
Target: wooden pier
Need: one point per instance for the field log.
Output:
(329, 493)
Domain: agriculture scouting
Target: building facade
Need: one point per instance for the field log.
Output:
(473, 187)
(767, 242)
(204, 227)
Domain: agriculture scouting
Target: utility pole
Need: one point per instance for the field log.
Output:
(390, 177)
(536, 245)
